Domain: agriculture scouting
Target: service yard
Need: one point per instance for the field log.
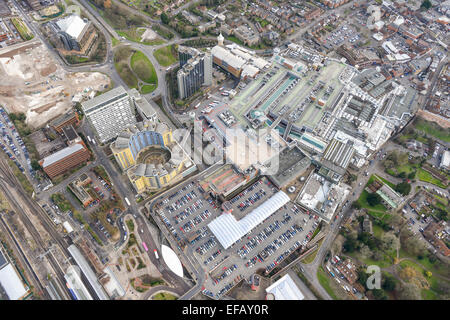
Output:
(188, 210)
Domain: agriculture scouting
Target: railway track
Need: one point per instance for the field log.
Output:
(8, 181)
(23, 258)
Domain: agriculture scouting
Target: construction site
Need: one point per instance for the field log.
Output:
(34, 84)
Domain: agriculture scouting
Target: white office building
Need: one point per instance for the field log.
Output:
(110, 113)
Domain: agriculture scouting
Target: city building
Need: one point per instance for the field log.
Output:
(445, 161)
(78, 189)
(34, 4)
(87, 272)
(284, 289)
(437, 234)
(238, 61)
(150, 156)
(246, 35)
(292, 163)
(109, 113)
(143, 107)
(321, 197)
(76, 34)
(196, 71)
(336, 159)
(65, 159)
(67, 119)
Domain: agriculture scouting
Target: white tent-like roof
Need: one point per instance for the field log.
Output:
(172, 260)
(285, 289)
(11, 282)
(228, 230)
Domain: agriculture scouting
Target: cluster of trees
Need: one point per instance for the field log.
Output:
(119, 18)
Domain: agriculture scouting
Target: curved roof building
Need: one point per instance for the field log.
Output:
(150, 155)
(228, 230)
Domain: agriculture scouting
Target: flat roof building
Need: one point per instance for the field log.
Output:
(292, 163)
(109, 113)
(65, 159)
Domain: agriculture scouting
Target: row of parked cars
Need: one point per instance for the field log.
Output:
(225, 274)
(251, 200)
(277, 243)
(212, 257)
(10, 142)
(260, 237)
(188, 211)
(211, 243)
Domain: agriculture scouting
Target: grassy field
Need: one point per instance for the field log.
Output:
(144, 69)
(61, 202)
(164, 296)
(135, 35)
(148, 88)
(324, 281)
(21, 27)
(166, 56)
(425, 176)
(362, 200)
(121, 61)
(433, 130)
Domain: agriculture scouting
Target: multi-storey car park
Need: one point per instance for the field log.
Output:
(255, 229)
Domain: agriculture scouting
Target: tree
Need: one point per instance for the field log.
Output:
(164, 18)
(409, 291)
(35, 165)
(407, 273)
(362, 277)
(388, 283)
(356, 205)
(426, 4)
(350, 245)
(390, 241)
(373, 199)
(365, 251)
(403, 187)
(107, 4)
(428, 274)
(379, 294)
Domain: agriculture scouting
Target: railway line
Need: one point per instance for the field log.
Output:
(8, 181)
(40, 286)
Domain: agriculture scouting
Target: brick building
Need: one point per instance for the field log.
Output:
(65, 159)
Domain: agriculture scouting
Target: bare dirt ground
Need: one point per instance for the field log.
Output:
(33, 83)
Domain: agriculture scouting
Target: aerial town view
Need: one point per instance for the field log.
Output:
(224, 150)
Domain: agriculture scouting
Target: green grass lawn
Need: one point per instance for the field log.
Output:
(166, 56)
(324, 281)
(432, 129)
(22, 28)
(164, 296)
(114, 41)
(148, 88)
(362, 200)
(143, 68)
(121, 58)
(425, 176)
(135, 35)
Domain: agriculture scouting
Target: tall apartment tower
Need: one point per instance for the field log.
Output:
(196, 71)
(110, 113)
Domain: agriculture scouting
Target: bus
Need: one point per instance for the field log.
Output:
(197, 105)
(332, 274)
(89, 138)
(145, 246)
(127, 201)
(156, 254)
